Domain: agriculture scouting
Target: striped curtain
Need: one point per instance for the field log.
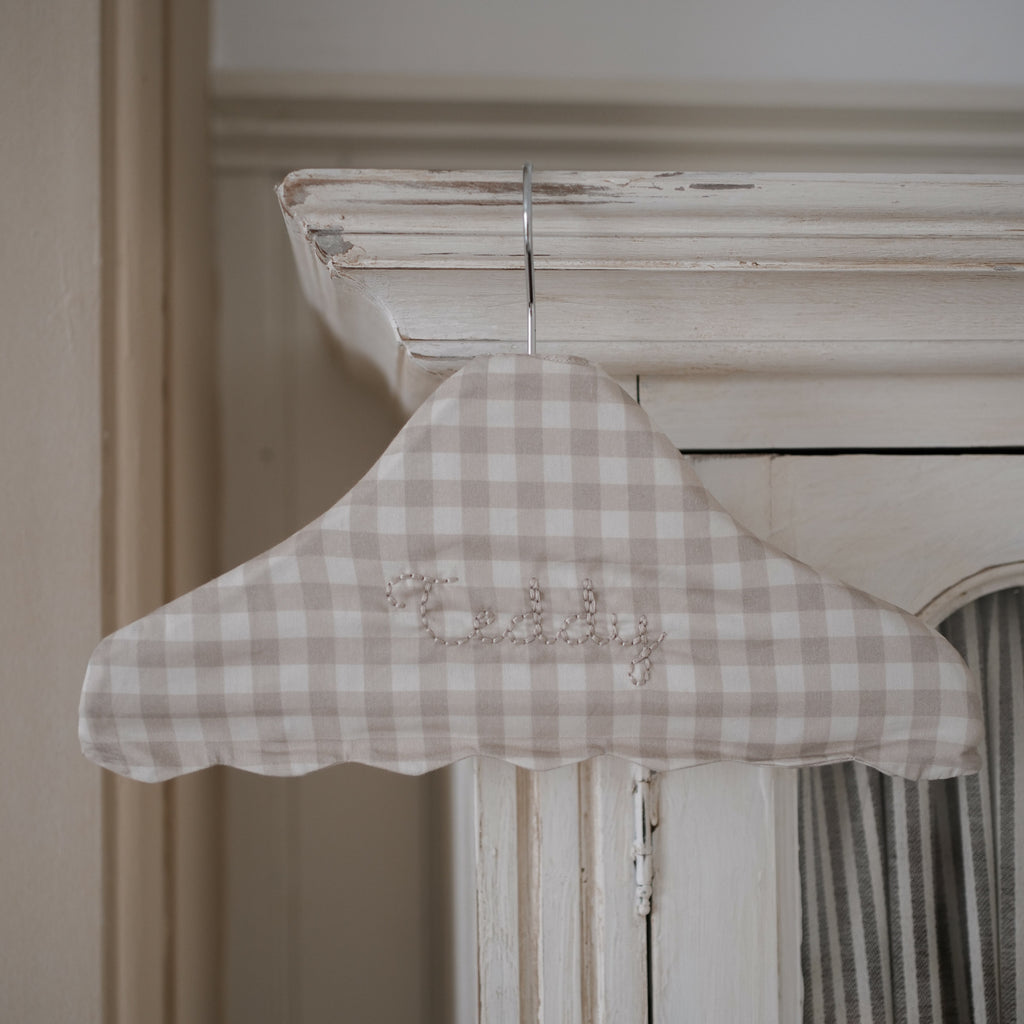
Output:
(911, 890)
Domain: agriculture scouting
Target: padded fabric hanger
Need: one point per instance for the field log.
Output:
(532, 572)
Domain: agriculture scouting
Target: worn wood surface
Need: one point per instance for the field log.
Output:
(548, 824)
(614, 935)
(894, 409)
(714, 927)
(906, 528)
(498, 901)
(549, 895)
(749, 284)
(671, 221)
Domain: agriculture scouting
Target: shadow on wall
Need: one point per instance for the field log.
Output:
(326, 877)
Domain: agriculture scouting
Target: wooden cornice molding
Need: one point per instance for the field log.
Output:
(667, 274)
(279, 122)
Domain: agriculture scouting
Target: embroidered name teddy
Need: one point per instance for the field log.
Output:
(578, 628)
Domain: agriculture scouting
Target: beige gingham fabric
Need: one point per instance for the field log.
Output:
(530, 572)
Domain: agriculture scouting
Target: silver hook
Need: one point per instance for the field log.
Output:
(531, 316)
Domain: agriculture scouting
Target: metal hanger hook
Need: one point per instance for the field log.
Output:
(531, 314)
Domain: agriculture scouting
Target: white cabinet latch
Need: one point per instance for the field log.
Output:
(645, 817)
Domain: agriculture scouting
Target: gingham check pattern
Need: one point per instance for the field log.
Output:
(523, 478)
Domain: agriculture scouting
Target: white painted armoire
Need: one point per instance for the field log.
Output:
(842, 355)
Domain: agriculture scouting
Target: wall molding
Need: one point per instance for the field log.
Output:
(161, 844)
(980, 584)
(278, 122)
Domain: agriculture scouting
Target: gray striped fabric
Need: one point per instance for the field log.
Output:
(911, 889)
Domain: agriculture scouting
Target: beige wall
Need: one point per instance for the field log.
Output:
(326, 877)
(914, 41)
(50, 891)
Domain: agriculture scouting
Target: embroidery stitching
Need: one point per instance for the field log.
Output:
(642, 643)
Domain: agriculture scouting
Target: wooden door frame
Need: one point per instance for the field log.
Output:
(161, 945)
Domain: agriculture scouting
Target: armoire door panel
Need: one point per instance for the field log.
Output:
(714, 915)
(903, 527)
(614, 934)
(556, 889)
(558, 937)
(497, 881)
(548, 839)
(886, 408)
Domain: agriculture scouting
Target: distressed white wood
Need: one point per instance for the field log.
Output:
(668, 273)
(553, 895)
(549, 896)
(906, 528)
(614, 935)
(894, 409)
(669, 221)
(987, 581)
(714, 947)
(497, 876)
